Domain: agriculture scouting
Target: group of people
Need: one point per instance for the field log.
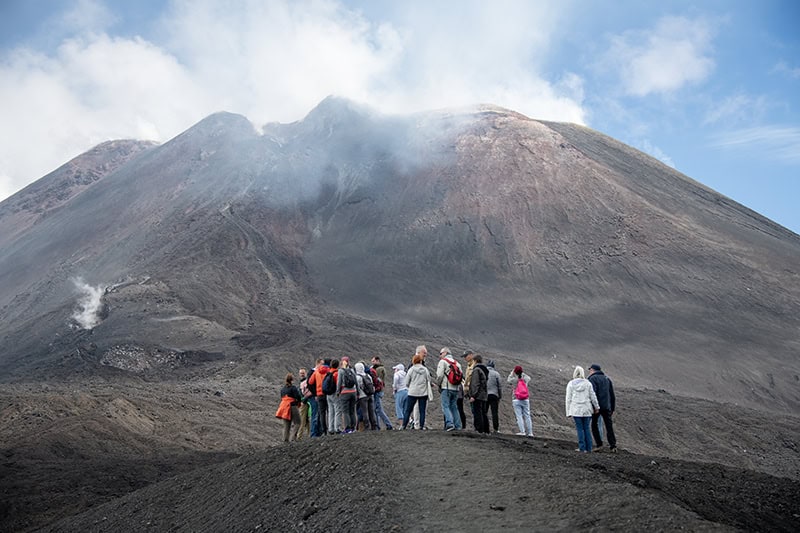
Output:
(335, 397)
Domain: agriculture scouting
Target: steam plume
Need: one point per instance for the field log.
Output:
(87, 312)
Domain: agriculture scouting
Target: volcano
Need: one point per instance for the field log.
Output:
(548, 242)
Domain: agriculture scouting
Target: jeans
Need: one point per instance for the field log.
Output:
(494, 402)
(522, 410)
(400, 400)
(315, 431)
(452, 419)
(479, 417)
(583, 425)
(412, 401)
(598, 436)
(322, 407)
(379, 412)
(347, 402)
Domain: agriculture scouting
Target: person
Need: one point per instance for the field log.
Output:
(288, 409)
(447, 365)
(468, 356)
(380, 414)
(604, 390)
(304, 407)
(521, 401)
(348, 394)
(460, 404)
(365, 388)
(418, 382)
(581, 403)
(494, 390)
(312, 399)
(422, 351)
(334, 409)
(400, 391)
(478, 394)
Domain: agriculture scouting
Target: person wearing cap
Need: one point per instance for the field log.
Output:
(521, 401)
(400, 391)
(494, 389)
(447, 364)
(604, 390)
(581, 403)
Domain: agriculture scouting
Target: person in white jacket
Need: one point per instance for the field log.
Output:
(418, 381)
(581, 403)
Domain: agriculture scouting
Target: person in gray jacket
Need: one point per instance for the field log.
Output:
(494, 390)
(445, 368)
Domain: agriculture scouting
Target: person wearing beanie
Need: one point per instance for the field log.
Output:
(581, 403)
(519, 380)
(494, 390)
(604, 390)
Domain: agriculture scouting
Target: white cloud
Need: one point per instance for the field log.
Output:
(769, 142)
(270, 61)
(784, 68)
(736, 108)
(676, 53)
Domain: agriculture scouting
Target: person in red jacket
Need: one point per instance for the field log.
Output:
(319, 403)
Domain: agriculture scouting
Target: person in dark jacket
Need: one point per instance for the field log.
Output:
(478, 395)
(288, 410)
(604, 390)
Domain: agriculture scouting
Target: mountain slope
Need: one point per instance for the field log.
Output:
(545, 242)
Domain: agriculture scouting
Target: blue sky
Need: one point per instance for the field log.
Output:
(710, 87)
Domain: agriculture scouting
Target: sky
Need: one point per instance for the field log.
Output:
(709, 87)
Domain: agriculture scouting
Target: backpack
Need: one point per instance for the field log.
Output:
(376, 381)
(368, 385)
(521, 390)
(348, 377)
(455, 376)
(306, 392)
(328, 384)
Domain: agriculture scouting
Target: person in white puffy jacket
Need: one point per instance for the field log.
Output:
(581, 403)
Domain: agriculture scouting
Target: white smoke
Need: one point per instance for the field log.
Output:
(87, 311)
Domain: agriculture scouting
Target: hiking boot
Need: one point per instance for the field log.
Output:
(451, 428)
(613, 450)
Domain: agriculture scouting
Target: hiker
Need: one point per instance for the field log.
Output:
(366, 388)
(400, 391)
(304, 407)
(313, 401)
(418, 381)
(460, 404)
(521, 402)
(334, 409)
(449, 377)
(468, 355)
(494, 390)
(288, 409)
(478, 394)
(422, 351)
(581, 403)
(347, 391)
(604, 390)
(380, 414)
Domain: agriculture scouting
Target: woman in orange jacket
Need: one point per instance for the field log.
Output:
(288, 409)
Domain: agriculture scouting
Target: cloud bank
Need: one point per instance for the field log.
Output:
(270, 61)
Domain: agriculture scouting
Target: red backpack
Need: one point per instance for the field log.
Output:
(454, 377)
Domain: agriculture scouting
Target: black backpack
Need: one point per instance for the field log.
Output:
(368, 384)
(348, 377)
(328, 384)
